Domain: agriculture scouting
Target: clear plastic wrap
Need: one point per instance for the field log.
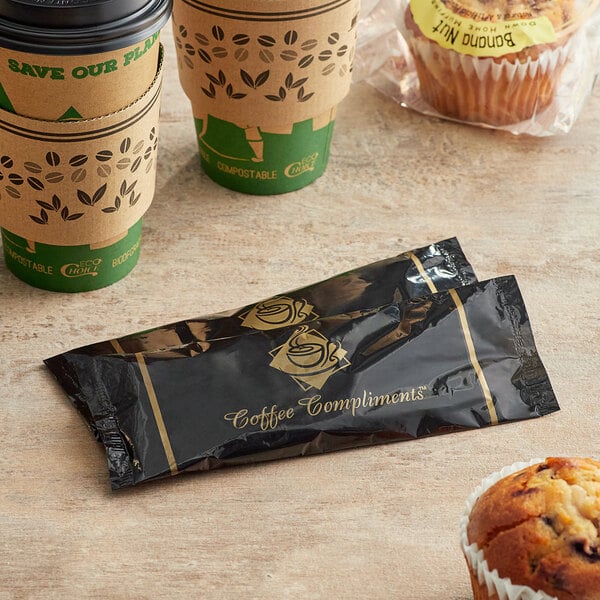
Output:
(559, 74)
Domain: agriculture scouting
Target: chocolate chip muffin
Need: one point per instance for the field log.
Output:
(539, 527)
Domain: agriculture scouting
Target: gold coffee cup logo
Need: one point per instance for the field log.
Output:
(309, 358)
(277, 312)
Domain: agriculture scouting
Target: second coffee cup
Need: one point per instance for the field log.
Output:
(264, 78)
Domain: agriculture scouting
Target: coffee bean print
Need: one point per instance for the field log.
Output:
(266, 40)
(183, 31)
(288, 55)
(188, 62)
(329, 69)
(189, 49)
(240, 39)
(6, 162)
(33, 167)
(138, 147)
(290, 38)
(205, 56)
(104, 155)
(125, 145)
(241, 54)
(53, 159)
(202, 39)
(78, 175)
(15, 179)
(342, 50)
(266, 56)
(325, 55)
(308, 45)
(54, 177)
(35, 183)
(78, 161)
(148, 153)
(333, 38)
(13, 192)
(218, 33)
(219, 52)
(305, 61)
(124, 163)
(104, 171)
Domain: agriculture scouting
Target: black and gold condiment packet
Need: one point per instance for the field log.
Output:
(459, 359)
(435, 267)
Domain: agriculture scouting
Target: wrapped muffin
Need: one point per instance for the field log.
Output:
(493, 62)
(531, 532)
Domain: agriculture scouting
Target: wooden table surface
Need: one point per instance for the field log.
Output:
(378, 522)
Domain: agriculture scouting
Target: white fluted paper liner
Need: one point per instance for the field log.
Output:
(547, 62)
(501, 586)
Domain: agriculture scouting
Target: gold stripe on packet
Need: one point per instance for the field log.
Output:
(473, 357)
(160, 423)
(422, 272)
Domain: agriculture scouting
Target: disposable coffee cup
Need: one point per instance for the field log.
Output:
(264, 78)
(79, 92)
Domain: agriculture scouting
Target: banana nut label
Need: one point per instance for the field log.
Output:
(478, 35)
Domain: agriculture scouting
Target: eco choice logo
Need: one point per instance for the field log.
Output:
(83, 268)
(307, 164)
(309, 358)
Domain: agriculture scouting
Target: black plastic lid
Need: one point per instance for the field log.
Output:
(79, 26)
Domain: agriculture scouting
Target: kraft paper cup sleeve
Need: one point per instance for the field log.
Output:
(246, 58)
(79, 182)
(490, 584)
(76, 86)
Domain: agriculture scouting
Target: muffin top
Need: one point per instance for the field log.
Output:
(558, 11)
(540, 527)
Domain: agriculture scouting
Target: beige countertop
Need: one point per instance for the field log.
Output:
(378, 522)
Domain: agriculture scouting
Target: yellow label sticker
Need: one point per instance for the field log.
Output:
(479, 37)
